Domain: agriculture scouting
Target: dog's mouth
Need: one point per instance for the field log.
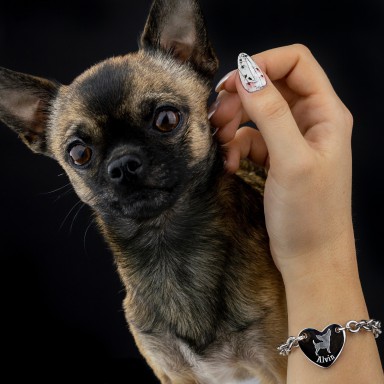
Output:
(141, 192)
(142, 202)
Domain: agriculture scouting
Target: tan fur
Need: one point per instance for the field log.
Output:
(204, 300)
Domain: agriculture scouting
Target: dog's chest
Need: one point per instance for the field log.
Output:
(214, 372)
(221, 368)
(181, 364)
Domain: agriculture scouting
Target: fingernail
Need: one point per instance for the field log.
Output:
(213, 109)
(223, 80)
(251, 75)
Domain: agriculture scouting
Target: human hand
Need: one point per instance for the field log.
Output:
(304, 140)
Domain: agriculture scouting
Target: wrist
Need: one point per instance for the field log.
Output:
(327, 293)
(319, 300)
(333, 255)
(323, 286)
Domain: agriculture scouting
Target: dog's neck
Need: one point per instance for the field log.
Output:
(174, 267)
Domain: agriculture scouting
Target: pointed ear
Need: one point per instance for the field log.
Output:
(178, 27)
(24, 106)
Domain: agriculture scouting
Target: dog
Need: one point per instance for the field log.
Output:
(325, 342)
(204, 301)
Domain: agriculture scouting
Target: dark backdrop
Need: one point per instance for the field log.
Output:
(60, 295)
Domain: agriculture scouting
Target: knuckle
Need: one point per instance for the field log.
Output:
(302, 49)
(275, 109)
(348, 118)
(247, 131)
(302, 168)
(346, 121)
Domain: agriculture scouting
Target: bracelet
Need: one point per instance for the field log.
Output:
(323, 348)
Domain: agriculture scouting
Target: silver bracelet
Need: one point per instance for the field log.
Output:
(323, 348)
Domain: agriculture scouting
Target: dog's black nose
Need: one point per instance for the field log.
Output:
(123, 167)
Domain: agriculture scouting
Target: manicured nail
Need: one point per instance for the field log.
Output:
(251, 75)
(222, 81)
(213, 109)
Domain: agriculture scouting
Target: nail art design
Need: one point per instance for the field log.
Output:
(251, 75)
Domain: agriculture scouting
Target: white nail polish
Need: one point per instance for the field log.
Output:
(210, 114)
(213, 109)
(251, 75)
(214, 130)
(222, 81)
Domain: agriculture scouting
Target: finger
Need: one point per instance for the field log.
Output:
(295, 73)
(295, 64)
(247, 143)
(224, 79)
(227, 115)
(227, 132)
(268, 109)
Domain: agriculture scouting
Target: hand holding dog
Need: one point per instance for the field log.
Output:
(204, 300)
(304, 141)
(303, 138)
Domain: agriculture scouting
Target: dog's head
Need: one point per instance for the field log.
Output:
(131, 132)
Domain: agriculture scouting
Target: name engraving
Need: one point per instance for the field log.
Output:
(325, 359)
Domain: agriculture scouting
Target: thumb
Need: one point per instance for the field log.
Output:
(268, 109)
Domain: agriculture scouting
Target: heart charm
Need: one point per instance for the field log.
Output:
(323, 348)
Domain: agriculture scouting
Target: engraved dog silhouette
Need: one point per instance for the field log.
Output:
(325, 342)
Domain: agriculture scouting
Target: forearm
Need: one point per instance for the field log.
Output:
(330, 293)
(304, 139)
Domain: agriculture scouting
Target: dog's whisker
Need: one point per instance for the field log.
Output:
(63, 194)
(69, 185)
(85, 235)
(71, 210)
(75, 216)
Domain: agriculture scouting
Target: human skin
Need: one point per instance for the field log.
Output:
(304, 141)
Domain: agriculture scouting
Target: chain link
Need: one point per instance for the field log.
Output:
(352, 326)
(292, 342)
(372, 325)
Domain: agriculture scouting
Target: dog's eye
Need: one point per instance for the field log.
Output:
(80, 154)
(166, 120)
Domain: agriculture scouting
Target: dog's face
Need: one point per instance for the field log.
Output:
(131, 132)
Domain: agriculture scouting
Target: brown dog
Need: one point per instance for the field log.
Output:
(204, 300)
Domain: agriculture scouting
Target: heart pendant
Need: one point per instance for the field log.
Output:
(323, 348)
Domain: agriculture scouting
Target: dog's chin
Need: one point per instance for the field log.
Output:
(142, 204)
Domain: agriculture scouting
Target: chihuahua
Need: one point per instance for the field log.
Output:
(204, 300)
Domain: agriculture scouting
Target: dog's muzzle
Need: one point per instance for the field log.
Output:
(137, 186)
(125, 167)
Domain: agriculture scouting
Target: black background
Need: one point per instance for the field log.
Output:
(60, 294)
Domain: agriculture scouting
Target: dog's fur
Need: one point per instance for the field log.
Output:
(204, 300)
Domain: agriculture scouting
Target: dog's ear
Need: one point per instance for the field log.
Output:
(24, 106)
(178, 27)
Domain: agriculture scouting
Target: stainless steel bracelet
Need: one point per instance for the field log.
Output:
(324, 347)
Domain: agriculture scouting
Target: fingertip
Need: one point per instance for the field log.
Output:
(226, 80)
(250, 74)
(232, 159)
(230, 168)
